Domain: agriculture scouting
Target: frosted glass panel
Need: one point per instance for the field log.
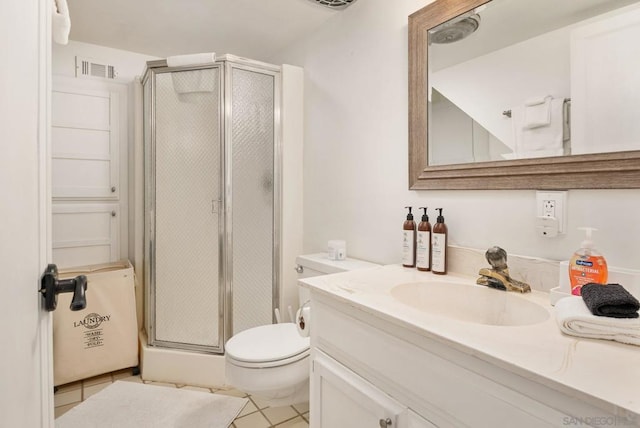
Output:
(252, 142)
(189, 156)
(187, 174)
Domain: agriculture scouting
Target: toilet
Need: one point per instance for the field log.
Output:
(272, 361)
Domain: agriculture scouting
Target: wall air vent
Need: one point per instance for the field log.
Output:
(92, 69)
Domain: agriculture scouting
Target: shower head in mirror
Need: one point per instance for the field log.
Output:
(334, 4)
(455, 30)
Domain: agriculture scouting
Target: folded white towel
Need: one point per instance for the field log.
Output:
(60, 22)
(534, 101)
(541, 141)
(575, 319)
(537, 112)
(191, 59)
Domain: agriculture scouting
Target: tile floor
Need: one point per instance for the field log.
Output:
(255, 414)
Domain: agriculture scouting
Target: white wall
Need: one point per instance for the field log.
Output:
(355, 156)
(127, 64)
(291, 184)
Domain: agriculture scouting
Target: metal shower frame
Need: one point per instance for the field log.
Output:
(226, 63)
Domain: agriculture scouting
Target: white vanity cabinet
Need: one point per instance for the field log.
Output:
(414, 420)
(369, 368)
(341, 398)
(344, 399)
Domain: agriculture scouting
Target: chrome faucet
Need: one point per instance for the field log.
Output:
(498, 276)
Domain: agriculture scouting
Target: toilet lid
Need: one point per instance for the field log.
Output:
(266, 343)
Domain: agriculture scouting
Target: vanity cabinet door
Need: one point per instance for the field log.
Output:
(340, 398)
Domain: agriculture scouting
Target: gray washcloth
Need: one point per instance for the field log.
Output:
(610, 300)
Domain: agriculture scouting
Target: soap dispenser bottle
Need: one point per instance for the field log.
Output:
(423, 244)
(587, 265)
(409, 241)
(439, 246)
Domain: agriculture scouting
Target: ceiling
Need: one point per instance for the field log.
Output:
(256, 29)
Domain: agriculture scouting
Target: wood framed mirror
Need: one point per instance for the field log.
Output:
(619, 169)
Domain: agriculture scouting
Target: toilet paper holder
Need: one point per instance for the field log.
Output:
(303, 316)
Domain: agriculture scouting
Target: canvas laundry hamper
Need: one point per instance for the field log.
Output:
(103, 337)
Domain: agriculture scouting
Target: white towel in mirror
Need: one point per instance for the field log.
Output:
(542, 141)
(537, 112)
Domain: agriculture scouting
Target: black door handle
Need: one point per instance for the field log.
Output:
(50, 286)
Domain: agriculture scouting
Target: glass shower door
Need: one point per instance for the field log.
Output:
(252, 154)
(187, 287)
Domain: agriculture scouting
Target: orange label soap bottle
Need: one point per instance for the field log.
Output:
(587, 265)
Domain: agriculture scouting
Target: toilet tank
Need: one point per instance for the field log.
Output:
(319, 264)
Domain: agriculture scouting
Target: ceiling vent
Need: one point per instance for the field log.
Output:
(92, 69)
(334, 4)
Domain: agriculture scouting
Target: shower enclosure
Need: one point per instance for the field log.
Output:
(212, 150)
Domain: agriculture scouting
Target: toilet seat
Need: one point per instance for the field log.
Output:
(269, 345)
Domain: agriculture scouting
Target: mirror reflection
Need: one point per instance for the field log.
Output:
(520, 79)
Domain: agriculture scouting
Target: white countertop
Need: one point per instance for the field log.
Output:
(604, 372)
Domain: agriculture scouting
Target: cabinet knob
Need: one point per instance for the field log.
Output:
(299, 269)
(384, 423)
(113, 213)
(113, 189)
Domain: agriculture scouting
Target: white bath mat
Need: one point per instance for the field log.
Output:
(136, 405)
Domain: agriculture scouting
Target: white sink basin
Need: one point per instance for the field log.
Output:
(470, 303)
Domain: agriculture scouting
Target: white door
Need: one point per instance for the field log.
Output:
(26, 385)
(341, 398)
(605, 116)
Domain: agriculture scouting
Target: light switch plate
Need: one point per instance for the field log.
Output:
(553, 204)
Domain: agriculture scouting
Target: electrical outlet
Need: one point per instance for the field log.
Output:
(553, 205)
(547, 226)
(548, 208)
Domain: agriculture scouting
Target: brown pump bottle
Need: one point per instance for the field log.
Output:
(439, 246)
(409, 241)
(423, 243)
